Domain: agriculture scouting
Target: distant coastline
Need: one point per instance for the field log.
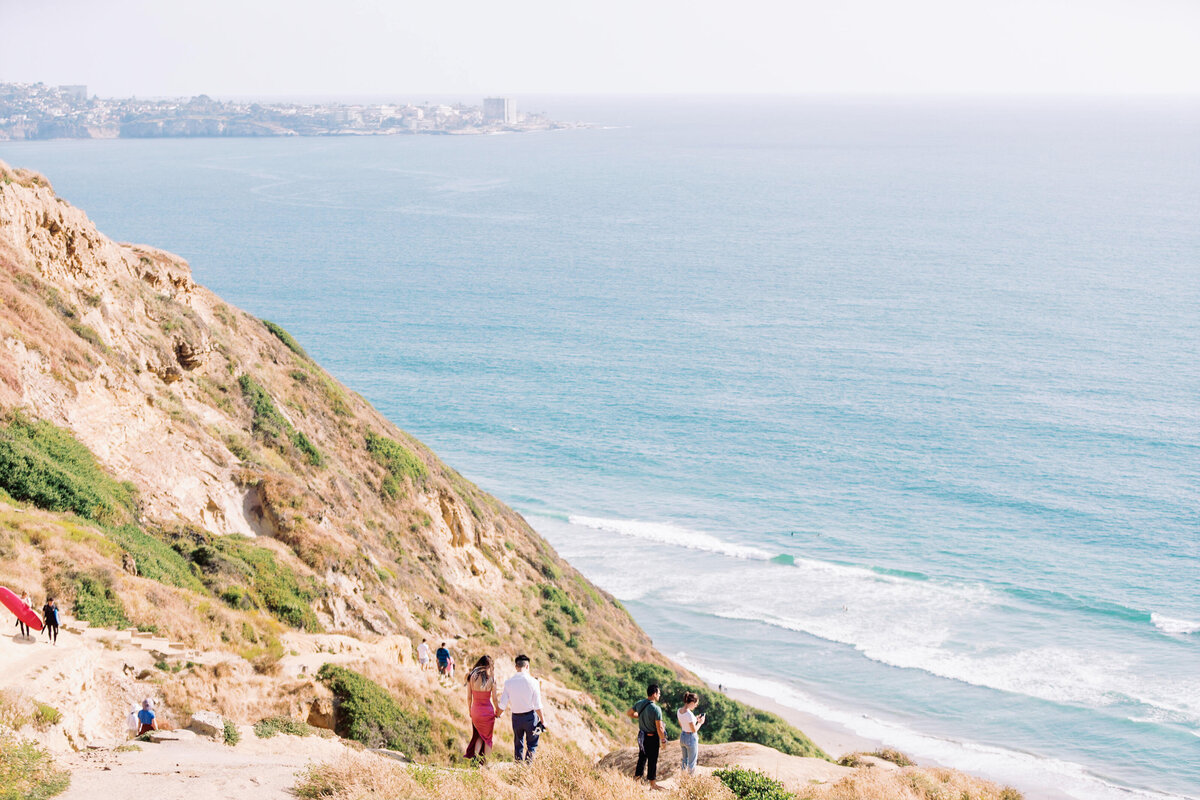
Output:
(37, 112)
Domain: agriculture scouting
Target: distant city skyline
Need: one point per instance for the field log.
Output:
(372, 47)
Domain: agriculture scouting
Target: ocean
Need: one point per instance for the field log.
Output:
(886, 409)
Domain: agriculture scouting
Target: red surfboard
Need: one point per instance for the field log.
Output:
(23, 612)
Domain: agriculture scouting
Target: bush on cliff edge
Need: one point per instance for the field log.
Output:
(368, 714)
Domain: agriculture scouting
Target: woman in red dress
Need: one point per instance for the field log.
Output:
(484, 707)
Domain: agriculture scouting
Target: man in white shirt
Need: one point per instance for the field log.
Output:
(423, 655)
(523, 694)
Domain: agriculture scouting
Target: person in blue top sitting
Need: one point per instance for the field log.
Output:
(146, 719)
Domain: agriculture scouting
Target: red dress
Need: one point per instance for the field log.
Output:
(483, 720)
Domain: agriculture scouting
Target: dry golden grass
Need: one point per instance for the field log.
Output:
(912, 783)
(238, 692)
(556, 774)
(27, 315)
(562, 774)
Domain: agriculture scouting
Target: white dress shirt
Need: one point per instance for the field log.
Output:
(522, 693)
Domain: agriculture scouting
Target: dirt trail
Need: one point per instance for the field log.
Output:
(256, 769)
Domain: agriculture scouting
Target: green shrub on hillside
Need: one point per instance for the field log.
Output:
(619, 684)
(266, 728)
(368, 714)
(750, 784)
(27, 772)
(400, 462)
(556, 599)
(43, 464)
(95, 602)
(333, 394)
(273, 427)
(289, 341)
(247, 576)
(155, 559)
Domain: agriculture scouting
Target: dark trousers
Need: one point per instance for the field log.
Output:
(647, 756)
(525, 738)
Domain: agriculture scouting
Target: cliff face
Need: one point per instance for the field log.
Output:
(225, 426)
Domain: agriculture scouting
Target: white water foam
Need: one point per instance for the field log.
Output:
(676, 535)
(1174, 625)
(1054, 673)
(902, 622)
(1024, 770)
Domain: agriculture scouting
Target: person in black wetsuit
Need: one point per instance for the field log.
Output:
(50, 620)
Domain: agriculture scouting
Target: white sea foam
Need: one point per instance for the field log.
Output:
(1053, 673)
(900, 621)
(1174, 625)
(676, 535)
(924, 625)
(1023, 770)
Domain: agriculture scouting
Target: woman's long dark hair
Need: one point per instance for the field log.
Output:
(480, 672)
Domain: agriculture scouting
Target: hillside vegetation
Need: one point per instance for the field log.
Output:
(177, 465)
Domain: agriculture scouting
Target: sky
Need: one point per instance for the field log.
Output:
(268, 48)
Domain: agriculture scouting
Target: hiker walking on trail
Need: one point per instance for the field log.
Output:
(651, 734)
(483, 707)
(523, 695)
(50, 620)
(423, 655)
(445, 664)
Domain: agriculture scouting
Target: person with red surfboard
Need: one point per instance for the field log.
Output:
(21, 609)
(28, 601)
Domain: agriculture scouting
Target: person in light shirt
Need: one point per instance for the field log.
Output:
(423, 655)
(689, 725)
(523, 695)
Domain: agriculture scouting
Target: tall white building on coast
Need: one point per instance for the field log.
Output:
(499, 109)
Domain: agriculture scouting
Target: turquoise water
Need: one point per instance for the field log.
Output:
(942, 356)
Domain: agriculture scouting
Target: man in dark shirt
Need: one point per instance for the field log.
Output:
(50, 620)
(443, 659)
(651, 734)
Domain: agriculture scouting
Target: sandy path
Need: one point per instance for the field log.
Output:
(262, 769)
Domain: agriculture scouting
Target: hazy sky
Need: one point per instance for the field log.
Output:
(266, 47)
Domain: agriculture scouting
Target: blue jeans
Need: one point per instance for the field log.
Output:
(525, 738)
(689, 743)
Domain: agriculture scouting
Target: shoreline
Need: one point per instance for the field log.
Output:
(834, 738)
(837, 740)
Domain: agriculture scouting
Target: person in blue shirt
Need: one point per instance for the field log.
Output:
(146, 719)
(443, 659)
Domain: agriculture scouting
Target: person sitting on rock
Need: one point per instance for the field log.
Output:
(147, 721)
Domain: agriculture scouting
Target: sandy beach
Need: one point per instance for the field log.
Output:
(834, 739)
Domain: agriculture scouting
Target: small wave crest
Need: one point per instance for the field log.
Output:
(676, 535)
(1174, 625)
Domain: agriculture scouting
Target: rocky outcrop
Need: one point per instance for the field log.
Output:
(207, 723)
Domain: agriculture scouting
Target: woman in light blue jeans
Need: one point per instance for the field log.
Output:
(689, 739)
